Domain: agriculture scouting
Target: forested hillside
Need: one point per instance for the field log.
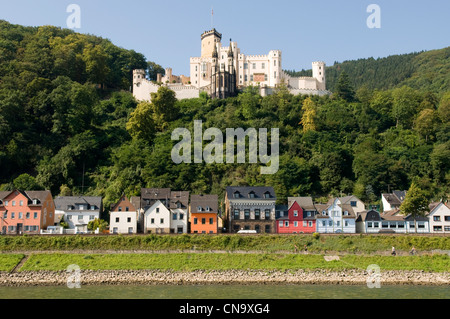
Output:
(425, 71)
(68, 123)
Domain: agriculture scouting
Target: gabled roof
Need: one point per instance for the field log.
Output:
(306, 203)
(435, 206)
(369, 215)
(63, 202)
(244, 192)
(181, 197)
(396, 198)
(203, 201)
(40, 196)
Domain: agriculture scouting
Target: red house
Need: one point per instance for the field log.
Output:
(298, 218)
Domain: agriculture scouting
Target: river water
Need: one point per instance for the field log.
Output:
(234, 292)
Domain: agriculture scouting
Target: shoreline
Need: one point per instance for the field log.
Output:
(215, 277)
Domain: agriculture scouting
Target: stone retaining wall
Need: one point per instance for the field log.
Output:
(155, 277)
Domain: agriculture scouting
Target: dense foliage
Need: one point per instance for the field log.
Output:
(69, 124)
(425, 71)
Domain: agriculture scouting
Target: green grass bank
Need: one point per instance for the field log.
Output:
(262, 243)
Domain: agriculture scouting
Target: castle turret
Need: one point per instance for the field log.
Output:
(318, 69)
(209, 41)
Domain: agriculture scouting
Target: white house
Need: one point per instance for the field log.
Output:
(77, 211)
(179, 207)
(157, 219)
(393, 200)
(439, 218)
(123, 217)
(335, 217)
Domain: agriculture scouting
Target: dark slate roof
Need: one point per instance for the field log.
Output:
(244, 192)
(63, 202)
(203, 201)
(368, 215)
(396, 198)
(149, 196)
(181, 197)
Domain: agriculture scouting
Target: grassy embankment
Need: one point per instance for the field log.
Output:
(361, 244)
(228, 261)
(266, 252)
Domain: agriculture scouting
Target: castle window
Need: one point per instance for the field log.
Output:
(245, 66)
(275, 63)
(251, 77)
(263, 65)
(254, 66)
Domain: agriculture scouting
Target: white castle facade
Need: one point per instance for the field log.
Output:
(222, 71)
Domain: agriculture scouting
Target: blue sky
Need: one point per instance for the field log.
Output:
(168, 32)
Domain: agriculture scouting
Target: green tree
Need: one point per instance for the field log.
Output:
(141, 124)
(164, 107)
(344, 88)
(26, 182)
(416, 203)
(99, 224)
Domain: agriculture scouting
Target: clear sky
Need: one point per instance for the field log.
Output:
(168, 32)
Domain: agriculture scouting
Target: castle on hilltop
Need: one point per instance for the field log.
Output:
(223, 71)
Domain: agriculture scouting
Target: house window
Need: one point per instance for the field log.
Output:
(295, 213)
(199, 208)
(280, 223)
(437, 228)
(152, 221)
(304, 223)
(80, 217)
(286, 223)
(257, 214)
(266, 195)
(446, 228)
(128, 219)
(21, 203)
(324, 223)
(247, 214)
(447, 218)
(267, 229)
(6, 203)
(267, 214)
(81, 207)
(346, 223)
(257, 228)
(330, 223)
(338, 223)
(376, 224)
(251, 194)
(20, 215)
(251, 77)
(5, 215)
(310, 223)
(69, 217)
(308, 214)
(174, 216)
(369, 224)
(437, 218)
(236, 195)
(263, 65)
(254, 66)
(14, 203)
(120, 209)
(203, 221)
(35, 215)
(161, 221)
(211, 221)
(353, 203)
(157, 209)
(181, 216)
(295, 224)
(208, 209)
(91, 217)
(237, 214)
(127, 209)
(117, 219)
(195, 221)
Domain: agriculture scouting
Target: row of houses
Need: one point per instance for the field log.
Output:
(246, 210)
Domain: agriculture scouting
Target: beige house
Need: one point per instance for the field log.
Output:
(123, 217)
(439, 218)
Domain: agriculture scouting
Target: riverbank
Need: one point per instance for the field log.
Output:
(215, 277)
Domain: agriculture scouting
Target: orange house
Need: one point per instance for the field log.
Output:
(204, 214)
(26, 212)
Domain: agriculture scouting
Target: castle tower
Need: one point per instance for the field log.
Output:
(209, 41)
(138, 77)
(318, 69)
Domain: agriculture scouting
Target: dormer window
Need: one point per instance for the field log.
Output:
(251, 195)
(35, 201)
(324, 213)
(266, 195)
(178, 205)
(208, 209)
(93, 207)
(199, 208)
(81, 207)
(236, 195)
(69, 207)
(346, 213)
